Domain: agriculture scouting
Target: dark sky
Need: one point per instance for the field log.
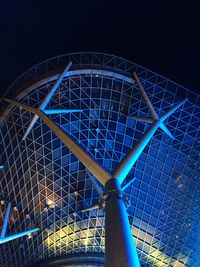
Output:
(164, 38)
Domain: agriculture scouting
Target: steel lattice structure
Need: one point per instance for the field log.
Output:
(48, 187)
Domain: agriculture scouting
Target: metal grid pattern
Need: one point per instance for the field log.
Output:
(49, 187)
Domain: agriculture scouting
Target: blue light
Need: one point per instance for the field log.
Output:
(128, 162)
(3, 231)
(47, 99)
(126, 165)
(3, 237)
(12, 237)
(59, 111)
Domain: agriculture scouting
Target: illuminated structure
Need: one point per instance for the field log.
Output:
(103, 107)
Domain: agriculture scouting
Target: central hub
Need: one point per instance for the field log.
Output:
(112, 185)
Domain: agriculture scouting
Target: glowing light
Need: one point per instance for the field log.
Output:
(15, 236)
(69, 234)
(144, 239)
(178, 264)
(59, 111)
(48, 97)
(76, 193)
(160, 259)
(29, 236)
(126, 165)
(50, 203)
(146, 242)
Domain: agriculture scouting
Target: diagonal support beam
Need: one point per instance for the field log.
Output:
(171, 111)
(98, 171)
(129, 183)
(3, 237)
(96, 186)
(141, 119)
(6, 220)
(146, 98)
(150, 120)
(12, 237)
(127, 163)
(93, 207)
(151, 108)
(45, 102)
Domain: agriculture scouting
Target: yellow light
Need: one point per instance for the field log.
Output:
(143, 237)
(50, 203)
(178, 264)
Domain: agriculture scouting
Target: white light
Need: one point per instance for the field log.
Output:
(76, 193)
(30, 236)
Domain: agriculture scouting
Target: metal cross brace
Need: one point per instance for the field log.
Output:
(45, 102)
(98, 171)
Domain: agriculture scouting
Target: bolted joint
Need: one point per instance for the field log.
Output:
(112, 185)
(113, 190)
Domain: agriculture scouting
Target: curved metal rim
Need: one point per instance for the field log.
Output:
(50, 78)
(122, 71)
(99, 72)
(83, 258)
(93, 53)
(66, 55)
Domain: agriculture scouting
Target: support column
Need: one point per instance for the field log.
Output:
(120, 250)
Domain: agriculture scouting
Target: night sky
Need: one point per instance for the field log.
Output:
(162, 38)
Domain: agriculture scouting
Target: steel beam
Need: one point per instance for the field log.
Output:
(171, 111)
(3, 237)
(98, 171)
(120, 249)
(117, 227)
(140, 119)
(150, 106)
(96, 186)
(93, 207)
(129, 183)
(12, 237)
(127, 163)
(45, 102)
(146, 98)
(6, 220)
(60, 111)
(55, 87)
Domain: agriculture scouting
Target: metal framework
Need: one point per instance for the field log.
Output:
(116, 220)
(109, 100)
(4, 238)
